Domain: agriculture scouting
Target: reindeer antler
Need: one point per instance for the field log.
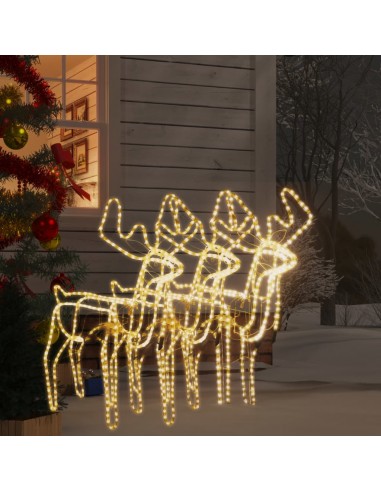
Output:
(182, 227)
(137, 228)
(285, 225)
(241, 229)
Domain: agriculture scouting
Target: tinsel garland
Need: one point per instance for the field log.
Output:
(27, 76)
(39, 115)
(36, 176)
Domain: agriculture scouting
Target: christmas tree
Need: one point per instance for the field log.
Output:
(33, 191)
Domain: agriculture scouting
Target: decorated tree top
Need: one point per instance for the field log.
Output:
(39, 185)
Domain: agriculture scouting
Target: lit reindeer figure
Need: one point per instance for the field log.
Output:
(148, 310)
(176, 230)
(194, 308)
(132, 318)
(172, 314)
(257, 308)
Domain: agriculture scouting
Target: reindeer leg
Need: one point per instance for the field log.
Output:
(227, 388)
(50, 378)
(247, 359)
(243, 367)
(191, 361)
(54, 376)
(113, 383)
(223, 361)
(196, 389)
(109, 371)
(184, 350)
(166, 365)
(75, 352)
(218, 344)
(51, 373)
(253, 353)
(134, 377)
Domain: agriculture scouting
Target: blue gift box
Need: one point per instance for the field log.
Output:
(93, 387)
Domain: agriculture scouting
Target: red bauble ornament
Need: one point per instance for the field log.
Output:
(63, 281)
(45, 227)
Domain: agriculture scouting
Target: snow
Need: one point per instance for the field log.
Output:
(324, 381)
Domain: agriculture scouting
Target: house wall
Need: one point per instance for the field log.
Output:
(188, 127)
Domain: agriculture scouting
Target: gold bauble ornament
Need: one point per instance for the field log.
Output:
(15, 137)
(52, 244)
(42, 330)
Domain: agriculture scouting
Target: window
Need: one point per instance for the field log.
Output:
(76, 82)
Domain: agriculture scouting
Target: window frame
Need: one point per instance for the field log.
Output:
(97, 125)
(108, 127)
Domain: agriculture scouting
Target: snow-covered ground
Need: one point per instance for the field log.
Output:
(324, 381)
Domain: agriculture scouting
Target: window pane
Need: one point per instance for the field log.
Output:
(84, 146)
(81, 67)
(50, 66)
(83, 98)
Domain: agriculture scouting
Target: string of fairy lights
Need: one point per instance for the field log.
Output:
(174, 315)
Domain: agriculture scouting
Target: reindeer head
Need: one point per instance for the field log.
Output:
(281, 233)
(235, 224)
(178, 229)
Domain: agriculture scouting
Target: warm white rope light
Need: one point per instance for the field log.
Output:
(175, 315)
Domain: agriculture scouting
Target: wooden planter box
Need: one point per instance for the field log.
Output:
(48, 425)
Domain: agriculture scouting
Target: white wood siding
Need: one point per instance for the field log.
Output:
(187, 127)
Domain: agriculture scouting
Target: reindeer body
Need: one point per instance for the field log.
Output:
(271, 259)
